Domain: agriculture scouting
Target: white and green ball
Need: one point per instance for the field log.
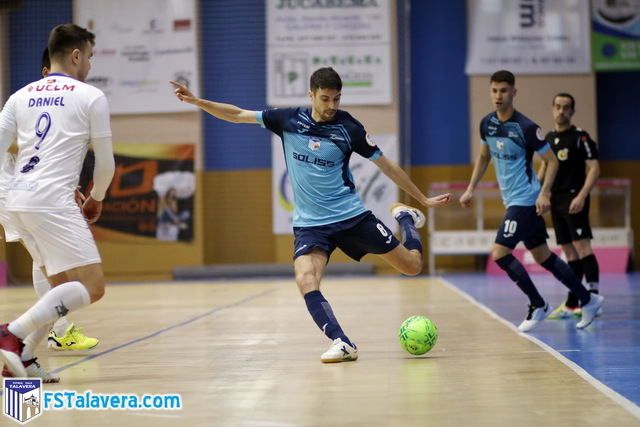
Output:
(418, 335)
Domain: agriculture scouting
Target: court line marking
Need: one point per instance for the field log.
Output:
(616, 397)
(162, 331)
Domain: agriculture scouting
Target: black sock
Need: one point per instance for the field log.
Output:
(572, 299)
(322, 314)
(563, 273)
(410, 235)
(591, 272)
(518, 274)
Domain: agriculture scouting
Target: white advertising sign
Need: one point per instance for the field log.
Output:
(529, 37)
(352, 36)
(140, 46)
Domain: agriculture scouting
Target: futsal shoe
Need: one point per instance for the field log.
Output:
(10, 349)
(34, 370)
(564, 312)
(73, 339)
(339, 351)
(590, 311)
(534, 316)
(398, 209)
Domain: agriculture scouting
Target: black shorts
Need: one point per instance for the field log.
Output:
(357, 236)
(522, 224)
(569, 227)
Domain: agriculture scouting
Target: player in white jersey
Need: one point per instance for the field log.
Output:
(62, 335)
(55, 119)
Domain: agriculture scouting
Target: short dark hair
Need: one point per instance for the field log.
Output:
(46, 61)
(325, 78)
(505, 76)
(65, 38)
(565, 95)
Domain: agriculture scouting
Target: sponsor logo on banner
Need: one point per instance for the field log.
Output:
(153, 28)
(22, 399)
(181, 24)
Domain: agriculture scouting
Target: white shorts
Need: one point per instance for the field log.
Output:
(16, 234)
(62, 238)
(10, 234)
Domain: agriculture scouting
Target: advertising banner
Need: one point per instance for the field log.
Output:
(140, 46)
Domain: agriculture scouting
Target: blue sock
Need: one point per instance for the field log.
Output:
(410, 235)
(323, 316)
(518, 274)
(565, 274)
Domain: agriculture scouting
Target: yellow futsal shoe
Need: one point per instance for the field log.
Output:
(564, 312)
(73, 339)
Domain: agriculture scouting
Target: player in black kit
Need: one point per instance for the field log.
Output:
(579, 169)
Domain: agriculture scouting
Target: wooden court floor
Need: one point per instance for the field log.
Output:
(246, 353)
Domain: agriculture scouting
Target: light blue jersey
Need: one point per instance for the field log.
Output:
(317, 156)
(512, 144)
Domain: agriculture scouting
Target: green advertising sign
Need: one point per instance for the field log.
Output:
(615, 40)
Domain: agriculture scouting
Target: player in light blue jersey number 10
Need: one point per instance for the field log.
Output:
(510, 138)
(317, 144)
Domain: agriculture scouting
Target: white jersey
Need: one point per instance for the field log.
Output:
(6, 175)
(55, 118)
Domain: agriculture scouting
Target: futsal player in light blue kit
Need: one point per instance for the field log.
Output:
(510, 139)
(318, 143)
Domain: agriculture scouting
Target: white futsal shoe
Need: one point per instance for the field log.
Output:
(590, 311)
(339, 351)
(534, 316)
(418, 217)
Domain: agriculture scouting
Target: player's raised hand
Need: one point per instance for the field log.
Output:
(466, 198)
(441, 200)
(91, 209)
(183, 93)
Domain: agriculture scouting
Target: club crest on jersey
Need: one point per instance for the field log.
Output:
(563, 154)
(500, 144)
(556, 141)
(314, 143)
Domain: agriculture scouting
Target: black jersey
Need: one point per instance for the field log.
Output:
(572, 148)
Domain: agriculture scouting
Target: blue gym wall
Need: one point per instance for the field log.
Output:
(439, 86)
(29, 29)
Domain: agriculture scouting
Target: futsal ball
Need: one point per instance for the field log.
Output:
(418, 335)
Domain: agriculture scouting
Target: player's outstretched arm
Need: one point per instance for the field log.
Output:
(402, 180)
(482, 162)
(226, 112)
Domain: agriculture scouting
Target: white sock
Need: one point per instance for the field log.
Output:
(42, 286)
(54, 304)
(32, 340)
(40, 282)
(60, 327)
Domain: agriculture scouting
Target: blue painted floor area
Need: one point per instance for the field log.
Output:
(609, 349)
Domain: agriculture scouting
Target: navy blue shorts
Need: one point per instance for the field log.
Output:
(522, 224)
(357, 236)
